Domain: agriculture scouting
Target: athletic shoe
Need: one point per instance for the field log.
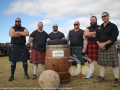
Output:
(89, 76)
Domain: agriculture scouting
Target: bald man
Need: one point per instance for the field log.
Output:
(55, 34)
(77, 44)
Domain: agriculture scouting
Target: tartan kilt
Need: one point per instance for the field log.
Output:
(77, 51)
(18, 53)
(92, 50)
(108, 57)
(37, 57)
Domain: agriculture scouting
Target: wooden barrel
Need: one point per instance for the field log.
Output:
(57, 59)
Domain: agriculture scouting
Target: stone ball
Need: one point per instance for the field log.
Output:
(49, 80)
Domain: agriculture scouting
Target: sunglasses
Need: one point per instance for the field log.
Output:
(17, 21)
(55, 26)
(104, 16)
(76, 24)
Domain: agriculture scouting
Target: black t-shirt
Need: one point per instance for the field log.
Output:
(39, 40)
(76, 37)
(58, 35)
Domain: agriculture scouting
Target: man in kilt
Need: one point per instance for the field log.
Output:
(92, 47)
(18, 50)
(38, 39)
(77, 47)
(106, 36)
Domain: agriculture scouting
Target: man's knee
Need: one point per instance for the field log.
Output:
(13, 63)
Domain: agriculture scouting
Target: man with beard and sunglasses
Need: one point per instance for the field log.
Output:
(55, 34)
(18, 50)
(106, 35)
(92, 47)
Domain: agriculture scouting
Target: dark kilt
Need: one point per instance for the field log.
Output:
(77, 51)
(92, 50)
(18, 53)
(108, 57)
(37, 57)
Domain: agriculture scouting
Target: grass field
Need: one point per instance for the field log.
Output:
(75, 84)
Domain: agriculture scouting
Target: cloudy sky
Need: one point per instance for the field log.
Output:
(61, 12)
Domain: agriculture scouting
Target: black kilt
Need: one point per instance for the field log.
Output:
(18, 53)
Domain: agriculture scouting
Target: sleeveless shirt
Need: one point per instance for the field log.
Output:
(18, 40)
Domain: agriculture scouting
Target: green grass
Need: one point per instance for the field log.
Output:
(75, 84)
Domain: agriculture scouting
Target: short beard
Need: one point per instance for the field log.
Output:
(93, 25)
(18, 26)
(55, 30)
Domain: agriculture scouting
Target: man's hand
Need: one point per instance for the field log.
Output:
(24, 33)
(84, 50)
(13, 34)
(102, 46)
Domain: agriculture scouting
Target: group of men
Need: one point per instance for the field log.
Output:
(96, 41)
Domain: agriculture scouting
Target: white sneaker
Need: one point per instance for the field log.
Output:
(89, 76)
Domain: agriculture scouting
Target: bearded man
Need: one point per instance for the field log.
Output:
(92, 47)
(18, 50)
(55, 34)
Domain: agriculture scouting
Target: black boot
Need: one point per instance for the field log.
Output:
(11, 78)
(26, 77)
(101, 79)
(116, 83)
(13, 67)
(34, 77)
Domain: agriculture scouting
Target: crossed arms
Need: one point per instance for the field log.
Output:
(16, 34)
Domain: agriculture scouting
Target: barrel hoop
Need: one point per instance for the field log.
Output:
(65, 72)
(58, 49)
(65, 57)
(57, 46)
(64, 80)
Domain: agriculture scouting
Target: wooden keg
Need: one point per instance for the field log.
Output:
(57, 59)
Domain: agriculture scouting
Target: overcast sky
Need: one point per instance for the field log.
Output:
(61, 12)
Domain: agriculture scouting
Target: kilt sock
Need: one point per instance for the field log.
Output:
(75, 71)
(99, 67)
(116, 72)
(13, 67)
(35, 69)
(102, 71)
(43, 67)
(82, 69)
(25, 66)
(91, 67)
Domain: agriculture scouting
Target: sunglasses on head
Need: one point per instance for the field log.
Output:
(104, 16)
(17, 21)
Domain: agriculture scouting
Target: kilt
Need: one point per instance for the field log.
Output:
(37, 57)
(108, 57)
(92, 50)
(18, 53)
(77, 51)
